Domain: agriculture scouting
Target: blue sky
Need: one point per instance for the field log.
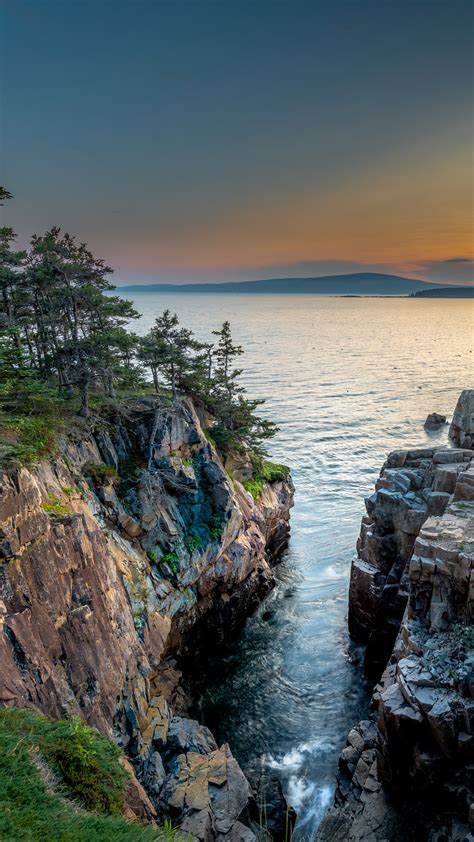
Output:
(214, 140)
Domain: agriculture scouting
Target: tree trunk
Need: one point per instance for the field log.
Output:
(173, 382)
(84, 410)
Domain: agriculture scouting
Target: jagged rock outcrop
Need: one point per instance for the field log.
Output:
(461, 430)
(112, 555)
(406, 773)
(413, 485)
(434, 421)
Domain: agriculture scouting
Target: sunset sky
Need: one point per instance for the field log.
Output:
(226, 140)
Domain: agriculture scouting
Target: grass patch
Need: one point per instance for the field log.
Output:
(100, 474)
(27, 439)
(265, 472)
(32, 413)
(86, 769)
(55, 508)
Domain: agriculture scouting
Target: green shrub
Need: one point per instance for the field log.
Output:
(100, 474)
(152, 555)
(273, 472)
(171, 560)
(264, 472)
(69, 490)
(215, 527)
(254, 487)
(192, 541)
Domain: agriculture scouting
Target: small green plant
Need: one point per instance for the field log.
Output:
(69, 490)
(152, 555)
(100, 474)
(192, 541)
(55, 508)
(469, 638)
(264, 472)
(188, 462)
(209, 435)
(171, 560)
(254, 487)
(215, 527)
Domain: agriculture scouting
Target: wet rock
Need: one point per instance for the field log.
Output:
(434, 421)
(269, 801)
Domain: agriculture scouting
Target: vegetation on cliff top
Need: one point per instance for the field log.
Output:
(263, 472)
(62, 781)
(65, 346)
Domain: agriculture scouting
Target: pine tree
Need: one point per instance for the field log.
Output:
(169, 348)
(237, 424)
(10, 262)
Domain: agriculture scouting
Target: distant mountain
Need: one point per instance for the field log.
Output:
(360, 283)
(445, 292)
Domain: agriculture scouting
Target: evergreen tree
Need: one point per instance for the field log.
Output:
(169, 348)
(61, 335)
(237, 424)
(10, 262)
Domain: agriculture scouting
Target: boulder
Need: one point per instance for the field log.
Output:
(434, 421)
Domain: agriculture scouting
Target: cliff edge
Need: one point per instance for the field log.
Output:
(406, 772)
(131, 546)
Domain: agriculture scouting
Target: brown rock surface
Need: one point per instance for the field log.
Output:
(101, 576)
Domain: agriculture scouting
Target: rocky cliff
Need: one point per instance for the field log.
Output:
(130, 547)
(406, 773)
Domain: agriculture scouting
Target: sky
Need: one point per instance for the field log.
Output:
(191, 140)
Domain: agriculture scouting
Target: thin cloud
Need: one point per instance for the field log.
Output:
(452, 270)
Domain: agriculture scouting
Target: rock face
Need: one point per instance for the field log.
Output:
(461, 430)
(110, 557)
(413, 485)
(434, 421)
(406, 773)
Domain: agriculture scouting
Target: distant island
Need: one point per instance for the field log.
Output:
(445, 292)
(359, 283)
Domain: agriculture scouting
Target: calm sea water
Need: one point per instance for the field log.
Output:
(347, 380)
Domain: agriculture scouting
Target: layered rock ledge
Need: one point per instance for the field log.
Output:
(112, 555)
(413, 485)
(406, 772)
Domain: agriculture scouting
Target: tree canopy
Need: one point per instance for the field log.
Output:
(64, 337)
